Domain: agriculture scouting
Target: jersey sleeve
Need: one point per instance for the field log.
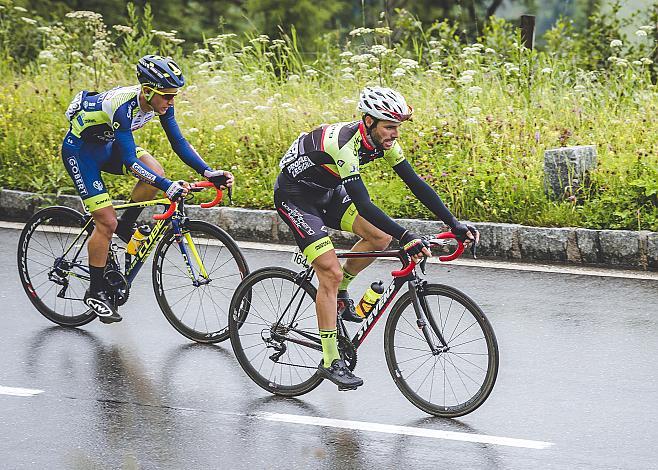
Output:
(179, 144)
(345, 154)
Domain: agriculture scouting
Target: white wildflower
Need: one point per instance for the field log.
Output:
(474, 111)
(546, 70)
(469, 72)
(489, 50)
(21, 9)
(647, 28)
(261, 108)
(471, 120)
(475, 90)
(347, 76)
(409, 63)
(286, 105)
(193, 130)
(448, 90)
(360, 31)
(637, 62)
(293, 78)
(256, 91)
(230, 122)
(646, 61)
(219, 127)
(123, 29)
(378, 49)
(397, 73)
(192, 87)
(188, 113)
(346, 54)
(28, 20)
(46, 55)
(465, 79)
(616, 43)
(641, 33)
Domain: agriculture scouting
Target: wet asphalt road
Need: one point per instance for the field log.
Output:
(578, 370)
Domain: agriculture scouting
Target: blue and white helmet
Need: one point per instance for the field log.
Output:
(384, 103)
(159, 72)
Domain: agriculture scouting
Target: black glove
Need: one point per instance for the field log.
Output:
(461, 230)
(413, 244)
(218, 181)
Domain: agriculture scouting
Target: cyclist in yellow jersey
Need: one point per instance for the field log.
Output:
(320, 186)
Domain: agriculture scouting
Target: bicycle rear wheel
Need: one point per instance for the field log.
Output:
(199, 312)
(458, 379)
(52, 264)
(264, 347)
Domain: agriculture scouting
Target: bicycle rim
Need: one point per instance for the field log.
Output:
(199, 312)
(54, 282)
(260, 301)
(454, 382)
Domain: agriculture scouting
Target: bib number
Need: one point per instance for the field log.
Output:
(299, 259)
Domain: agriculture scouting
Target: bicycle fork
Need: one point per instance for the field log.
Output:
(422, 309)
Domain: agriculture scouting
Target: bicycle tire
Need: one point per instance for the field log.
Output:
(455, 315)
(42, 242)
(209, 324)
(254, 315)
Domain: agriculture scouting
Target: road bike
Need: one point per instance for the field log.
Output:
(440, 348)
(192, 284)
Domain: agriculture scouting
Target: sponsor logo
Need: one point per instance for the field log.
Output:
(354, 169)
(346, 199)
(142, 173)
(99, 202)
(324, 229)
(323, 244)
(98, 185)
(99, 307)
(298, 219)
(340, 162)
(301, 164)
(357, 146)
(115, 125)
(77, 177)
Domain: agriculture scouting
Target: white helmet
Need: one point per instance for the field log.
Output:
(384, 103)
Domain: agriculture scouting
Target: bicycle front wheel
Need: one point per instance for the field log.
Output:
(194, 291)
(274, 331)
(53, 264)
(460, 376)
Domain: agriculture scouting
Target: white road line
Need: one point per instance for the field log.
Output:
(507, 265)
(405, 430)
(19, 392)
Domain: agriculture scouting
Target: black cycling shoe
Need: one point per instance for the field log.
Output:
(102, 306)
(340, 374)
(346, 309)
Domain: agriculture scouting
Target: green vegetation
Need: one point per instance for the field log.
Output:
(484, 112)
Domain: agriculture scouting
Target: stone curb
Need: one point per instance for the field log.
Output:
(612, 248)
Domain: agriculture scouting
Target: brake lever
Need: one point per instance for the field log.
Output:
(474, 249)
(422, 265)
(229, 193)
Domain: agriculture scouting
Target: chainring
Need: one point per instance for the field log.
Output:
(347, 352)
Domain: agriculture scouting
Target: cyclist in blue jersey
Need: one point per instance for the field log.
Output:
(100, 138)
(320, 186)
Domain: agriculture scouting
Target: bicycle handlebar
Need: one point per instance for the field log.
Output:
(198, 186)
(405, 271)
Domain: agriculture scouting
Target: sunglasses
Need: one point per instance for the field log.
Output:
(166, 96)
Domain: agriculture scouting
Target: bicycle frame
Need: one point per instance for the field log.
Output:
(400, 277)
(176, 215)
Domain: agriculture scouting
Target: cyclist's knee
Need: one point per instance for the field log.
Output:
(105, 221)
(150, 161)
(330, 275)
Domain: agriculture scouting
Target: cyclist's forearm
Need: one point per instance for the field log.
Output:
(373, 214)
(180, 145)
(424, 193)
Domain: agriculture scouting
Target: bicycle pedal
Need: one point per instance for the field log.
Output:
(346, 389)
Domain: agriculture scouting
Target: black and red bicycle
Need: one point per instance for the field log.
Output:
(440, 348)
